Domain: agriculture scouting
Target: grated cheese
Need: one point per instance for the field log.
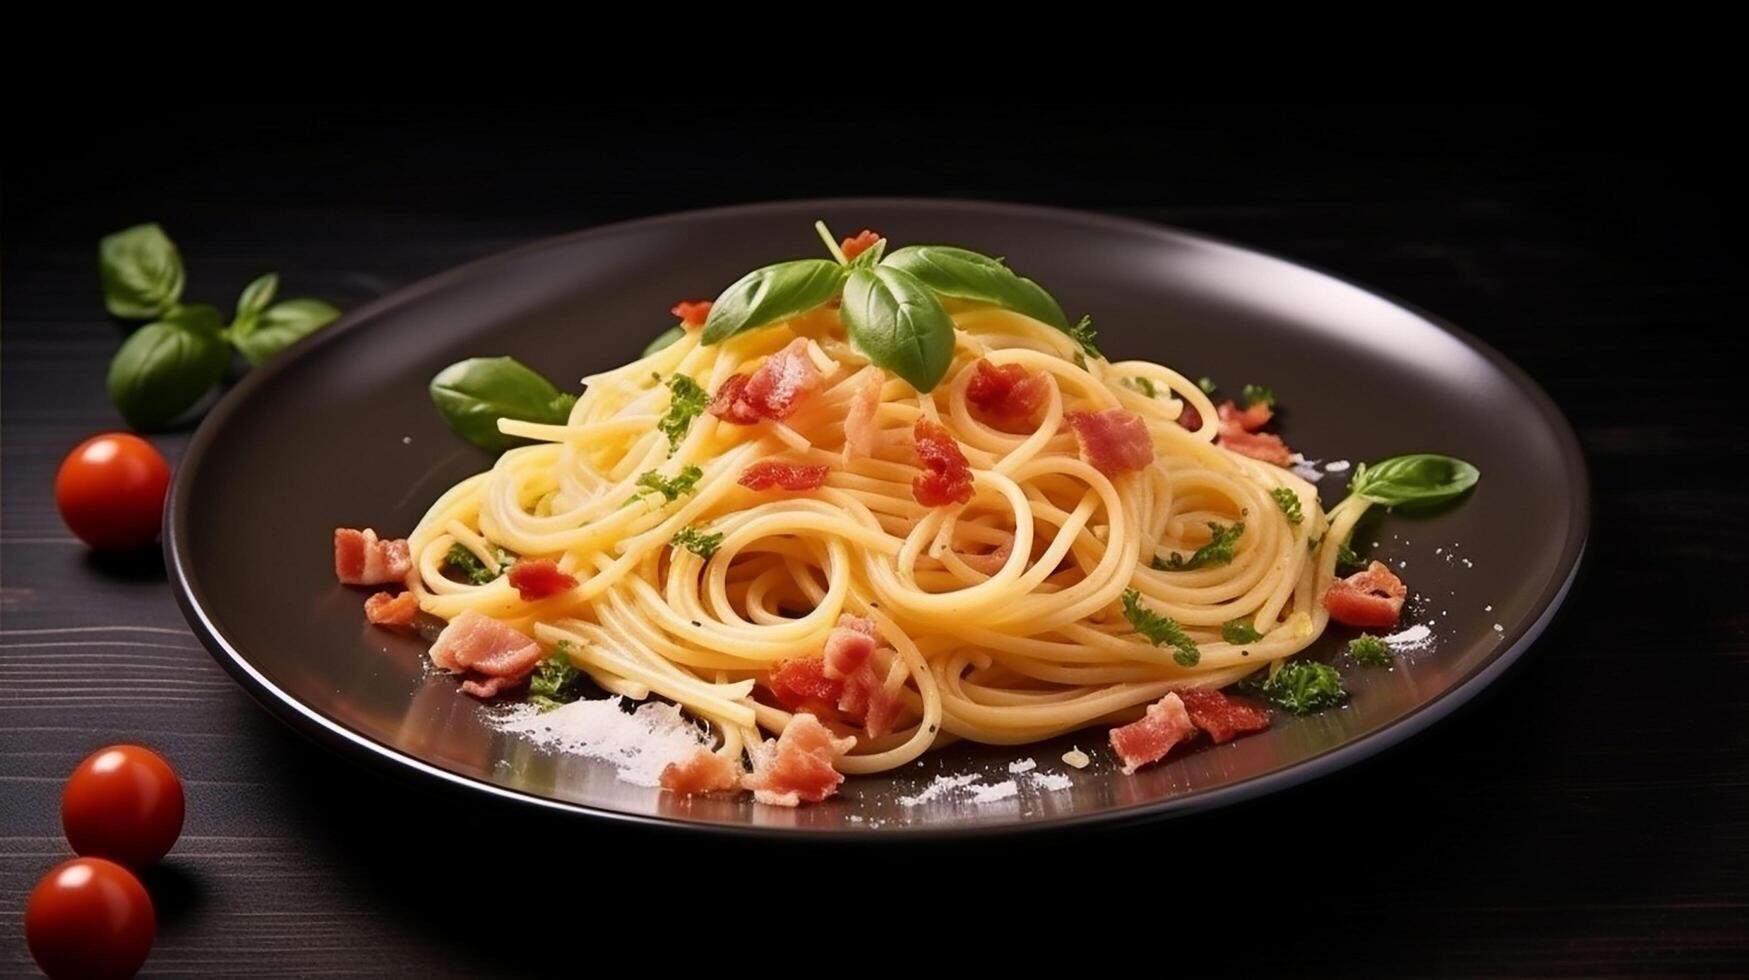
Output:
(1077, 758)
(640, 744)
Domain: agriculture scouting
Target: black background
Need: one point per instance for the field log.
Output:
(1587, 817)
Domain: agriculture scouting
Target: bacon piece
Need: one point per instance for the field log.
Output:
(1223, 716)
(1189, 417)
(702, 772)
(798, 764)
(1371, 599)
(481, 645)
(692, 312)
(1113, 441)
(865, 697)
(727, 404)
(1165, 724)
(768, 473)
(1238, 432)
(990, 562)
(361, 558)
(946, 476)
(848, 646)
(858, 243)
(801, 684)
(860, 428)
(1009, 393)
(383, 609)
(540, 578)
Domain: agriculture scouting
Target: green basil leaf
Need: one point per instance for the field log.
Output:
(1416, 479)
(666, 338)
(776, 292)
(163, 368)
(141, 272)
(895, 321)
(964, 274)
(279, 326)
(257, 295)
(472, 395)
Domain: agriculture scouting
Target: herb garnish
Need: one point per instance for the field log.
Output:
(1240, 631)
(1419, 479)
(1370, 651)
(696, 541)
(1289, 502)
(1144, 385)
(1207, 384)
(553, 681)
(472, 395)
(688, 403)
(1254, 394)
(1346, 556)
(1300, 686)
(671, 488)
(468, 565)
(1219, 551)
(1160, 630)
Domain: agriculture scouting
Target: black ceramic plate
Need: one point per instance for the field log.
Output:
(340, 432)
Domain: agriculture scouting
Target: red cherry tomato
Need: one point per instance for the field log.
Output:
(110, 490)
(89, 919)
(123, 803)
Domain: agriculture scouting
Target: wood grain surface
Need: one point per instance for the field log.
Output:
(1590, 816)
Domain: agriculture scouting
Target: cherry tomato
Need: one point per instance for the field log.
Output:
(110, 490)
(89, 919)
(123, 803)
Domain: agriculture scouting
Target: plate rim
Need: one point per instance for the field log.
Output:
(338, 738)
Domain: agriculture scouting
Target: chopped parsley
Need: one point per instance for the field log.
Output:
(1254, 394)
(1370, 651)
(554, 680)
(1300, 686)
(1160, 630)
(464, 563)
(1144, 385)
(671, 488)
(1083, 333)
(688, 403)
(1207, 384)
(1219, 550)
(1289, 502)
(1346, 556)
(696, 541)
(1240, 631)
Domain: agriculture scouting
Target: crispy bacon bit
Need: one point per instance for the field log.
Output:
(1189, 417)
(702, 772)
(1238, 432)
(865, 697)
(990, 562)
(768, 473)
(727, 404)
(1223, 716)
(540, 578)
(860, 428)
(1009, 393)
(1148, 740)
(383, 609)
(692, 312)
(946, 476)
(1113, 441)
(801, 684)
(798, 764)
(858, 243)
(361, 558)
(1371, 599)
(848, 646)
(481, 645)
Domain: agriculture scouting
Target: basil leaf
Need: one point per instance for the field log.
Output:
(472, 395)
(163, 368)
(1416, 479)
(280, 326)
(776, 292)
(257, 295)
(141, 272)
(964, 274)
(895, 321)
(666, 338)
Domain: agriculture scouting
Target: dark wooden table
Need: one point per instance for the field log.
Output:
(1589, 817)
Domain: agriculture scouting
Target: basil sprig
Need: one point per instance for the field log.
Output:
(472, 395)
(166, 367)
(891, 303)
(1419, 479)
(765, 296)
(895, 321)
